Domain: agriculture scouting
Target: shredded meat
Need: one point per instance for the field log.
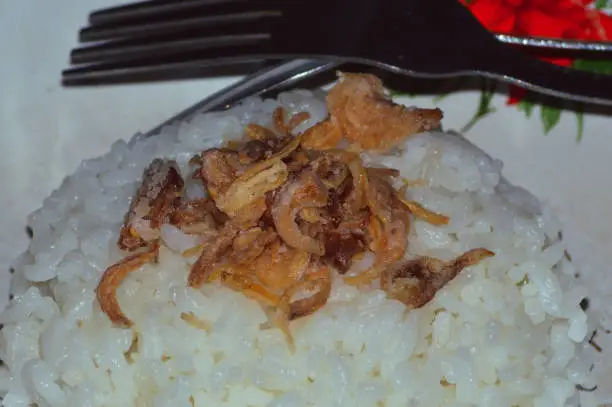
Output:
(368, 118)
(416, 282)
(284, 214)
(153, 205)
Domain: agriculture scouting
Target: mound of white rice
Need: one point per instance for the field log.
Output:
(507, 332)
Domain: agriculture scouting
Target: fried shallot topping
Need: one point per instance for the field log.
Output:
(113, 276)
(152, 206)
(366, 116)
(415, 282)
(284, 213)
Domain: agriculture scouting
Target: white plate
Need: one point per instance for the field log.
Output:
(46, 130)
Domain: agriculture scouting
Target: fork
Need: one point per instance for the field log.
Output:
(264, 83)
(423, 38)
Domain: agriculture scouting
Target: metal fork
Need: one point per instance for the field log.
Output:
(423, 38)
(266, 82)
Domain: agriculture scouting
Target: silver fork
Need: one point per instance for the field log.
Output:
(423, 38)
(264, 82)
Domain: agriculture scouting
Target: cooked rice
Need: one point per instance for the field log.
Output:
(507, 332)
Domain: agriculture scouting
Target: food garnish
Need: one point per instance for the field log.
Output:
(285, 213)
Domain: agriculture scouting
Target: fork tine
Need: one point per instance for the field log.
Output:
(153, 72)
(130, 51)
(107, 71)
(103, 33)
(149, 9)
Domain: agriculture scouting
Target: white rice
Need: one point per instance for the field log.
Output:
(508, 332)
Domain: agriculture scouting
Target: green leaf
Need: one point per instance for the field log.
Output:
(484, 105)
(550, 117)
(526, 107)
(597, 66)
(397, 93)
(524, 280)
(440, 98)
(599, 4)
(580, 124)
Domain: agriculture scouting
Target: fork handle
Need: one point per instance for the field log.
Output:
(543, 77)
(469, 48)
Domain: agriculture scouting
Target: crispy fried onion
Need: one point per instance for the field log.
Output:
(281, 266)
(198, 217)
(113, 276)
(218, 169)
(152, 205)
(306, 192)
(425, 214)
(368, 118)
(324, 135)
(294, 121)
(303, 299)
(211, 254)
(239, 279)
(284, 213)
(246, 190)
(250, 244)
(416, 282)
(356, 197)
(257, 132)
(293, 144)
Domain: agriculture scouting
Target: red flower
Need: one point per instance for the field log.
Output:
(572, 19)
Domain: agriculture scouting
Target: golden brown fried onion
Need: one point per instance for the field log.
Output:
(153, 205)
(368, 118)
(284, 213)
(106, 291)
(306, 192)
(416, 282)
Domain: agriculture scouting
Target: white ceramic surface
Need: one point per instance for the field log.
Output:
(46, 130)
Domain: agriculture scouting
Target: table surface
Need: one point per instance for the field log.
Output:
(46, 130)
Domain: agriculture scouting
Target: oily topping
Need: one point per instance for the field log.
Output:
(153, 205)
(367, 117)
(415, 282)
(283, 213)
